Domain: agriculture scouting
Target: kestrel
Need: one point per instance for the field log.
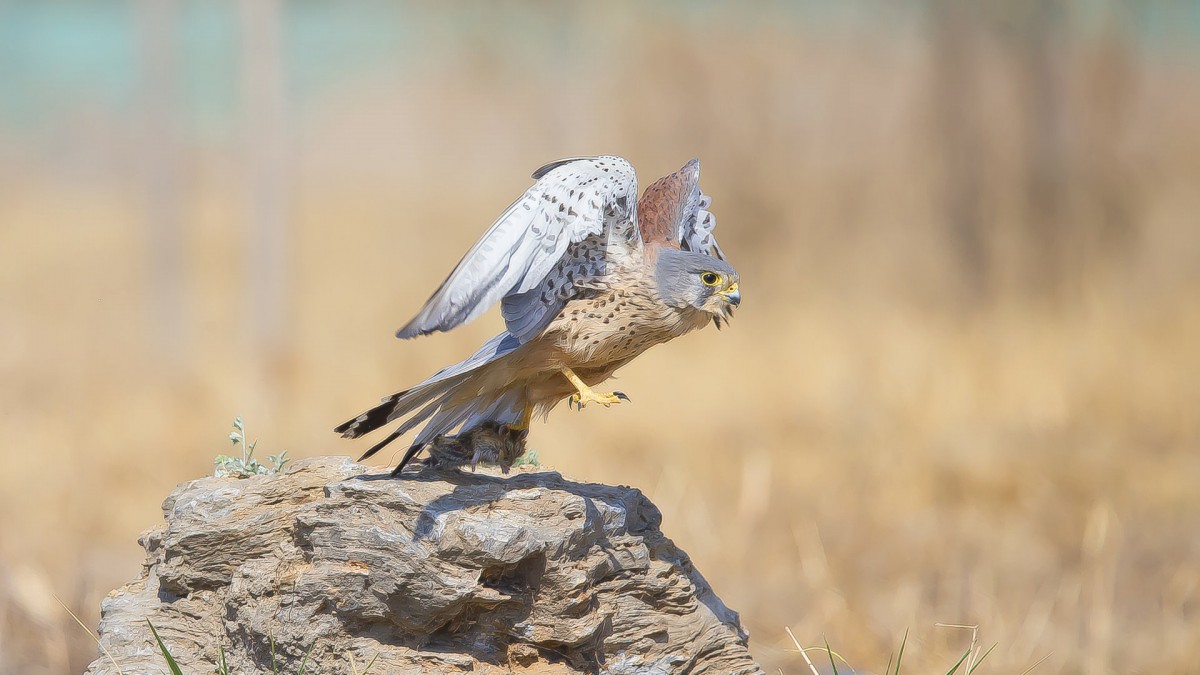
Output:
(587, 276)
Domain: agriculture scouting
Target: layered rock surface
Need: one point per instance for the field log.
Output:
(432, 573)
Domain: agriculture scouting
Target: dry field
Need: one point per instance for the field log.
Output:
(904, 425)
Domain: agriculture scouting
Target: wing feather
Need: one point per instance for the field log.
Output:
(674, 211)
(532, 242)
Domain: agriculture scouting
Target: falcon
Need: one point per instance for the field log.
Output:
(587, 277)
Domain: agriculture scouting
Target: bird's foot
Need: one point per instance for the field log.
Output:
(580, 399)
(584, 395)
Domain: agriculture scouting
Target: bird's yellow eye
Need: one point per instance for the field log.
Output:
(710, 278)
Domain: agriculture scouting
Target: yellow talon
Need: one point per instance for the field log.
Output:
(586, 395)
(581, 399)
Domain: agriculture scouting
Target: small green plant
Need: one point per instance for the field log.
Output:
(529, 458)
(246, 466)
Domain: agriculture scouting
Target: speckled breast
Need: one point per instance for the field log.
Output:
(618, 324)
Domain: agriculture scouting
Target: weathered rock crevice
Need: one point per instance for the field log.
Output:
(434, 573)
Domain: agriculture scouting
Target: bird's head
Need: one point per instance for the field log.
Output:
(687, 279)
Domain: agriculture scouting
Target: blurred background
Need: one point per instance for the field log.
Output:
(962, 387)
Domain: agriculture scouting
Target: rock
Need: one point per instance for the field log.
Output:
(432, 573)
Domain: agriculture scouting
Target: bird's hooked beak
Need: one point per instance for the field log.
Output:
(732, 297)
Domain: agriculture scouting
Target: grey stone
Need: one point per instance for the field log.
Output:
(430, 573)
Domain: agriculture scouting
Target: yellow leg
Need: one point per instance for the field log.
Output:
(584, 394)
(525, 417)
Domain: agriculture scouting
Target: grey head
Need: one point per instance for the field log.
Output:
(697, 280)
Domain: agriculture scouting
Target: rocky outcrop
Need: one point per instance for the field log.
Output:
(432, 573)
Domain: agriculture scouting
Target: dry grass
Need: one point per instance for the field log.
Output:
(869, 448)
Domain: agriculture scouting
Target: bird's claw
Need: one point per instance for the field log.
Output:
(579, 400)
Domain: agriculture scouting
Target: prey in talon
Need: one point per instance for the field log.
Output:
(489, 443)
(588, 276)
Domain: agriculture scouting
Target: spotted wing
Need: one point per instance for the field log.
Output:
(562, 232)
(673, 211)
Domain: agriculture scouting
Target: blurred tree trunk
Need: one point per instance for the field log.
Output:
(1049, 239)
(1111, 85)
(955, 114)
(158, 145)
(264, 118)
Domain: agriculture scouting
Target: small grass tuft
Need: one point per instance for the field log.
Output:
(171, 663)
(900, 655)
(971, 659)
(94, 638)
(354, 667)
(304, 661)
(223, 664)
(829, 653)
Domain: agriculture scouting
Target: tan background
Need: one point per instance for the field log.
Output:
(962, 386)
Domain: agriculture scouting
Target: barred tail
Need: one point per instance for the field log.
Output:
(394, 407)
(429, 400)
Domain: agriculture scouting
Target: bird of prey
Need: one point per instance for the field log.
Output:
(587, 276)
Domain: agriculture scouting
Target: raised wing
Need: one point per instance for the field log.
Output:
(673, 211)
(546, 241)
